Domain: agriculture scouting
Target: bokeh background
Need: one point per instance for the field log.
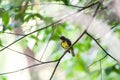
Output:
(21, 17)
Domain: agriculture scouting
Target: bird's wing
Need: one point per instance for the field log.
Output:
(68, 42)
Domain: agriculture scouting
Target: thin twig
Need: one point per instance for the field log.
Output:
(88, 6)
(97, 61)
(47, 26)
(54, 27)
(24, 54)
(57, 65)
(107, 32)
(70, 5)
(96, 10)
(43, 29)
(75, 41)
(65, 53)
(28, 67)
(101, 47)
(14, 33)
(94, 14)
(54, 70)
(29, 34)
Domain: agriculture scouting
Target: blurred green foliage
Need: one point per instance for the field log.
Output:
(3, 78)
(73, 67)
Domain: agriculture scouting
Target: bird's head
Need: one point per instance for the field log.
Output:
(62, 38)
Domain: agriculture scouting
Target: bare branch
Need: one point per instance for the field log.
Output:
(14, 33)
(99, 4)
(54, 70)
(101, 47)
(73, 43)
(70, 5)
(57, 65)
(58, 61)
(107, 32)
(21, 38)
(47, 26)
(28, 67)
(92, 4)
(54, 27)
(94, 14)
(24, 54)
(66, 52)
(97, 61)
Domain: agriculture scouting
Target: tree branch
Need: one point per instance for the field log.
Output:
(14, 33)
(96, 10)
(70, 5)
(77, 38)
(57, 65)
(101, 47)
(58, 61)
(21, 38)
(97, 61)
(54, 27)
(47, 26)
(28, 67)
(107, 32)
(24, 54)
(65, 53)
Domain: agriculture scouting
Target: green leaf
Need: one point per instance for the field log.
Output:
(3, 78)
(31, 15)
(108, 71)
(34, 37)
(28, 17)
(85, 45)
(114, 23)
(81, 62)
(5, 18)
(48, 20)
(0, 43)
(57, 56)
(94, 76)
(2, 10)
(66, 2)
(38, 15)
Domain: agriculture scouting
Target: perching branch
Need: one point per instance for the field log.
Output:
(58, 60)
(57, 65)
(78, 37)
(65, 53)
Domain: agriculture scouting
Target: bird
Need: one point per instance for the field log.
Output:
(66, 43)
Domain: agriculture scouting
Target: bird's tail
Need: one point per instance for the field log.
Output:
(72, 51)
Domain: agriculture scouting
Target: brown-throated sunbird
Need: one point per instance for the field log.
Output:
(66, 43)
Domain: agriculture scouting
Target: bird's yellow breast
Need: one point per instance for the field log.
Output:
(65, 45)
